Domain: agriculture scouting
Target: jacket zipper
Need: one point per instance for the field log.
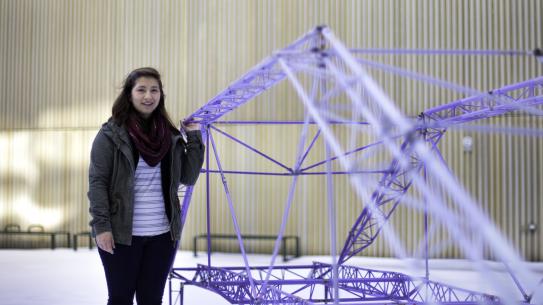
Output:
(172, 193)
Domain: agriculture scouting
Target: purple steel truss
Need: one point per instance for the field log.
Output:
(320, 55)
(312, 282)
(431, 125)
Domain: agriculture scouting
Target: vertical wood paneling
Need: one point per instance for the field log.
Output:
(64, 61)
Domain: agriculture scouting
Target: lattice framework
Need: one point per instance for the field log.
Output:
(413, 144)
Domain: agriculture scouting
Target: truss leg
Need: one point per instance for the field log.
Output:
(181, 294)
(170, 289)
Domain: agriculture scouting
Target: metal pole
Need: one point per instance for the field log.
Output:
(170, 288)
(208, 195)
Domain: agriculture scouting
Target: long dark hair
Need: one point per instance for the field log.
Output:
(122, 107)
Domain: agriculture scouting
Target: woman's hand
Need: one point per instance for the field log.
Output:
(105, 242)
(190, 126)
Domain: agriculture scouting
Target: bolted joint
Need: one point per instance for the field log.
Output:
(319, 28)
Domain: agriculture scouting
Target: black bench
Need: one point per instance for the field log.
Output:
(284, 240)
(35, 230)
(85, 234)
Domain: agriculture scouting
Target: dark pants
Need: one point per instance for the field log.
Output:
(140, 269)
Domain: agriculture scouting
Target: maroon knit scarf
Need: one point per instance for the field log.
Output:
(153, 144)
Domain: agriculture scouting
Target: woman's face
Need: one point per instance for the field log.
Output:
(145, 96)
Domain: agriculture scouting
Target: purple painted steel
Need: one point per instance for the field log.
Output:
(232, 213)
(346, 154)
(532, 132)
(300, 173)
(484, 111)
(186, 193)
(309, 148)
(279, 238)
(251, 148)
(241, 285)
(286, 123)
(392, 186)
(418, 76)
(208, 201)
(366, 286)
(332, 224)
(426, 245)
(290, 197)
(396, 182)
(259, 79)
(442, 52)
(398, 286)
(490, 104)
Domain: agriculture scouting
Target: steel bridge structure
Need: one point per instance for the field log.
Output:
(338, 73)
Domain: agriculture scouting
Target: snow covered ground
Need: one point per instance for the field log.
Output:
(67, 277)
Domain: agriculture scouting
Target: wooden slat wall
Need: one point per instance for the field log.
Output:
(63, 61)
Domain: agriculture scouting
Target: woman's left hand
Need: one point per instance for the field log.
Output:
(190, 126)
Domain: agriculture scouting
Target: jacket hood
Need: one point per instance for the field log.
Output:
(115, 132)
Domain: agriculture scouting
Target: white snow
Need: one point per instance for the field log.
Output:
(67, 277)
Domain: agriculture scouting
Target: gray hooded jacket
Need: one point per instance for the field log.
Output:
(111, 180)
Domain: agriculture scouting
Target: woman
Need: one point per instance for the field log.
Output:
(138, 160)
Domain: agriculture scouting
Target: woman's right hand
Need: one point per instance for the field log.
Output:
(105, 242)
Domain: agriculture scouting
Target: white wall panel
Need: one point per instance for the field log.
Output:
(63, 62)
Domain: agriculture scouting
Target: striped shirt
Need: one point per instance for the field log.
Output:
(149, 213)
